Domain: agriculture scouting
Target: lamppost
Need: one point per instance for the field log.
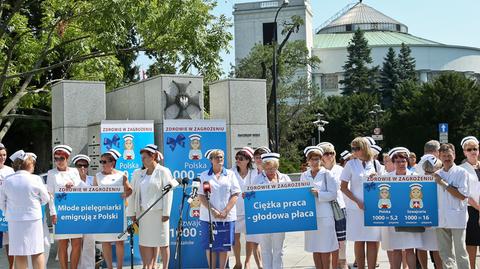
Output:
(275, 76)
(320, 125)
(375, 113)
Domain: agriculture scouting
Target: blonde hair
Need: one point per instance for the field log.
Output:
(364, 146)
(215, 153)
(274, 163)
(470, 143)
(26, 164)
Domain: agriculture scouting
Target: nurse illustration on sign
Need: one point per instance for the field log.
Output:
(416, 196)
(272, 244)
(384, 201)
(64, 176)
(354, 174)
(325, 191)
(195, 152)
(128, 147)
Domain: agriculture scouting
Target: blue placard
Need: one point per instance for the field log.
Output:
(186, 141)
(191, 243)
(89, 210)
(401, 201)
(3, 222)
(443, 128)
(282, 207)
(128, 137)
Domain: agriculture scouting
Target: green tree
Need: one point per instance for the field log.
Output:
(359, 76)
(389, 76)
(418, 109)
(49, 40)
(406, 64)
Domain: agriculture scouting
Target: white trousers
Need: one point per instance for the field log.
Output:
(453, 251)
(87, 259)
(272, 250)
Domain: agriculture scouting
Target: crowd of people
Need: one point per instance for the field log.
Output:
(338, 194)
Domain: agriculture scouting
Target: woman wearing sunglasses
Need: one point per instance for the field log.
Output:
(339, 258)
(472, 165)
(109, 176)
(87, 258)
(354, 174)
(64, 176)
(245, 173)
(325, 191)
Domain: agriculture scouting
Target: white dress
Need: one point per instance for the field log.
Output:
(114, 179)
(21, 198)
(356, 174)
(327, 188)
(240, 226)
(56, 179)
(393, 240)
(87, 259)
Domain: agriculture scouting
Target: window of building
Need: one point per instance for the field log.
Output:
(329, 82)
(348, 27)
(268, 29)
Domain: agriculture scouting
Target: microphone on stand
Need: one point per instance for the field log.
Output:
(206, 189)
(172, 184)
(195, 186)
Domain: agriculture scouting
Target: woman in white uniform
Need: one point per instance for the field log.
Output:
(245, 173)
(272, 244)
(154, 226)
(224, 192)
(472, 165)
(354, 174)
(394, 241)
(339, 258)
(64, 176)
(109, 176)
(21, 198)
(325, 191)
(87, 258)
(4, 172)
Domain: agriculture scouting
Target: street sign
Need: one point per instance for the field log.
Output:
(443, 128)
(443, 138)
(377, 137)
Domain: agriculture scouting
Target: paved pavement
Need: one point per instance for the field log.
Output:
(295, 256)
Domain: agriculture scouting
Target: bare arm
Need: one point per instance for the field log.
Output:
(344, 188)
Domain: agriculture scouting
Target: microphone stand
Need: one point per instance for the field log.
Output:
(130, 230)
(210, 230)
(178, 243)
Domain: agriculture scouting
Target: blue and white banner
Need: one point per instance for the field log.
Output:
(186, 141)
(191, 243)
(402, 201)
(128, 137)
(281, 207)
(90, 210)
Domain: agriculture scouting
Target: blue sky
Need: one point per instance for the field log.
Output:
(449, 22)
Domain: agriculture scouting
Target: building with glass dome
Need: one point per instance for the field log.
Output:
(329, 42)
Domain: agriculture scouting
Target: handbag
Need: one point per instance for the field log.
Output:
(338, 212)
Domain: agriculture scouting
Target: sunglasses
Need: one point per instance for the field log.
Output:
(59, 159)
(329, 153)
(240, 158)
(104, 162)
(81, 165)
(355, 148)
(471, 149)
(315, 159)
(218, 158)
